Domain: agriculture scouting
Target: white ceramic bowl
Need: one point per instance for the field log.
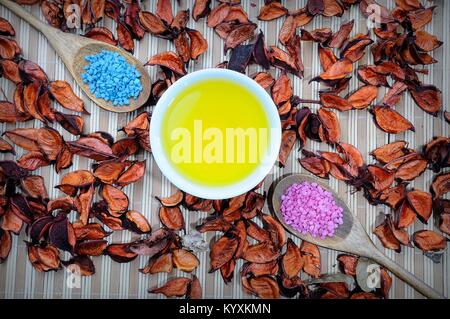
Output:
(205, 191)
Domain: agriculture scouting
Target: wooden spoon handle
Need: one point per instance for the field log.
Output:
(406, 276)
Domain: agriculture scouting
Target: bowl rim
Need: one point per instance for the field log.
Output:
(207, 191)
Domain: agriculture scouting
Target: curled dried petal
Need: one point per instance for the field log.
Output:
(222, 251)
(176, 287)
(272, 11)
(63, 93)
(422, 203)
(363, 97)
(390, 120)
(428, 240)
(171, 217)
(169, 60)
(185, 260)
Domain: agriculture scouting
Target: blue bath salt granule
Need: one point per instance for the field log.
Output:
(110, 77)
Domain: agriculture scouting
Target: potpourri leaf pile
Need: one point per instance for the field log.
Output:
(273, 265)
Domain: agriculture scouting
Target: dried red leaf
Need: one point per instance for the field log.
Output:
(340, 69)
(347, 264)
(291, 261)
(261, 253)
(420, 18)
(218, 15)
(8, 48)
(426, 42)
(441, 185)
(380, 178)
(152, 23)
(44, 258)
(31, 72)
(238, 35)
(389, 152)
(411, 169)
(124, 37)
(264, 79)
(10, 70)
(171, 217)
(50, 142)
(327, 57)
(6, 28)
(135, 221)
(222, 251)
(91, 231)
(386, 236)
(338, 38)
(264, 287)
(83, 203)
(428, 240)
(33, 160)
(158, 264)
(91, 147)
(75, 180)
(164, 10)
(422, 203)
(116, 199)
(133, 173)
(311, 258)
(64, 159)
(5, 245)
(184, 260)
(330, 124)
(287, 30)
(282, 90)
(390, 120)
(25, 138)
(61, 233)
(368, 75)
(169, 60)
(392, 196)
(428, 98)
(182, 46)
(101, 34)
(272, 11)
(283, 60)
(34, 186)
(201, 9)
(198, 43)
(30, 97)
(80, 265)
(317, 35)
(355, 48)
(334, 101)
(176, 287)
(288, 139)
(120, 253)
(63, 93)
(363, 96)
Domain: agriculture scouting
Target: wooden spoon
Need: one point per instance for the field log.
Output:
(73, 49)
(350, 237)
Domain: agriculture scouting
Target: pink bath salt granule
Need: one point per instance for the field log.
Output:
(310, 209)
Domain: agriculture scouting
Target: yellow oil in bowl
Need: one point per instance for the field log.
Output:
(215, 132)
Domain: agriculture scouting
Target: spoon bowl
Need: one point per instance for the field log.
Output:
(341, 233)
(79, 63)
(350, 237)
(73, 50)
